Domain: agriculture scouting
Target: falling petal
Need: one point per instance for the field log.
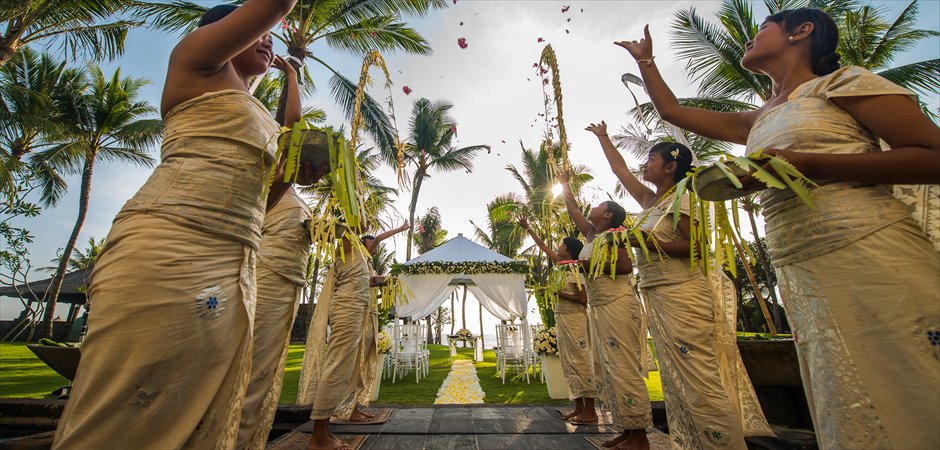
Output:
(569, 19)
(406, 89)
(373, 33)
(462, 42)
(461, 23)
(503, 141)
(565, 9)
(567, 32)
(582, 9)
(541, 40)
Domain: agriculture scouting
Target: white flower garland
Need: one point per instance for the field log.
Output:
(462, 386)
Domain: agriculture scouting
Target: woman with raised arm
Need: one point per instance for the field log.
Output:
(616, 320)
(857, 274)
(166, 360)
(368, 347)
(710, 402)
(281, 275)
(572, 331)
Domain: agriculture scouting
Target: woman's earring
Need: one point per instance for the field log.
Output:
(790, 38)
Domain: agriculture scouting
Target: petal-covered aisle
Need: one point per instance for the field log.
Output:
(462, 386)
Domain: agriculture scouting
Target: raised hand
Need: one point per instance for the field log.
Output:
(404, 226)
(642, 50)
(598, 129)
(562, 177)
(283, 65)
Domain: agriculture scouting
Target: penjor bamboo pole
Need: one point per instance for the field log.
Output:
(753, 280)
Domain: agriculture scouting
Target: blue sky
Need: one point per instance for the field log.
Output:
(494, 103)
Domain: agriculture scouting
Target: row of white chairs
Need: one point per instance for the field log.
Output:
(409, 351)
(516, 351)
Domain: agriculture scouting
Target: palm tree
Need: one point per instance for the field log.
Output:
(430, 231)
(545, 212)
(503, 234)
(104, 120)
(81, 27)
(354, 26)
(81, 259)
(28, 85)
(430, 147)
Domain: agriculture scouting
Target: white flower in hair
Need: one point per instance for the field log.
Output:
(675, 153)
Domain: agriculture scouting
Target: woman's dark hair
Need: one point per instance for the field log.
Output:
(367, 237)
(823, 40)
(683, 160)
(618, 213)
(573, 245)
(215, 14)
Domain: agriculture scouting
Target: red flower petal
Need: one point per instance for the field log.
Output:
(461, 23)
(406, 89)
(462, 42)
(541, 40)
(565, 9)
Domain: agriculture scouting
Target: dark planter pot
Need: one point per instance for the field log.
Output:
(774, 370)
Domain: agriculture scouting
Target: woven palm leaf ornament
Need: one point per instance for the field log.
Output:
(548, 59)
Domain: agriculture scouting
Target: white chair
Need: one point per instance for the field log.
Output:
(534, 360)
(409, 351)
(513, 351)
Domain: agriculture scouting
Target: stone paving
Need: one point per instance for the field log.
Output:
(478, 428)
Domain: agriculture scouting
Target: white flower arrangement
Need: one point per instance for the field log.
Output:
(383, 343)
(464, 333)
(466, 268)
(546, 342)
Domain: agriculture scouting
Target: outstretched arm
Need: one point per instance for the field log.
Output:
(292, 113)
(584, 226)
(731, 127)
(538, 241)
(914, 157)
(374, 243)
(642, 194)
(208, 48)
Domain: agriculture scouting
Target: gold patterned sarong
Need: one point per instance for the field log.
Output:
(574, 344)
(328, 376)
(281, 273)
(858, 278)
(166, 359)
(710, 402)
(616, 319)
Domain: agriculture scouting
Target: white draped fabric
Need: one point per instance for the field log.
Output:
(503, 295)
(425, 293)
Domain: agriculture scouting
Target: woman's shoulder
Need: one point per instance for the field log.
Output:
(853, 81)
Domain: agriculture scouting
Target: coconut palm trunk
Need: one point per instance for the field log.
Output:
(766, 267)
(53, 293)
(464, 313)
(419, 179)
(453, 312)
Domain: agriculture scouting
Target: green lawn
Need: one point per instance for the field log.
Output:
(24, 375)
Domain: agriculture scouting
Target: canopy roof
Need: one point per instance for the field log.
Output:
(495, 280)
(73, 288)
(460, 249)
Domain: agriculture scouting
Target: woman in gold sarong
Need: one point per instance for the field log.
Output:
(710, 402)
(616, 322)
(331, 357)
(166, 360)
(572, 332)
(857, 275)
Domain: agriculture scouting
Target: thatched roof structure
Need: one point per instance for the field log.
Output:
(73, 288)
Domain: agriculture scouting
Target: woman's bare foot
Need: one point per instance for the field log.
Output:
(585, 418)
(326, 443)
(364, 413)
(358, 416)
(636, 441)
(617, 440)
(569, 416)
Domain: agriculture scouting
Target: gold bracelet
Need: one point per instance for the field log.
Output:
(649, 62)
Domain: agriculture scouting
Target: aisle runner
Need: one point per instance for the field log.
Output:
(461, 387)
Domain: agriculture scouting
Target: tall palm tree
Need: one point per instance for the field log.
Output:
(503, 234)
(107, 121)
(430, 231)
(354, 26)
(430, 147)
(91, 28)
(29, 118)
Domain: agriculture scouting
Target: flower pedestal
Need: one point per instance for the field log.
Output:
(379, 370)
(554, 377)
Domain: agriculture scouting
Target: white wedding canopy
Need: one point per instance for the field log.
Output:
(502, 294)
